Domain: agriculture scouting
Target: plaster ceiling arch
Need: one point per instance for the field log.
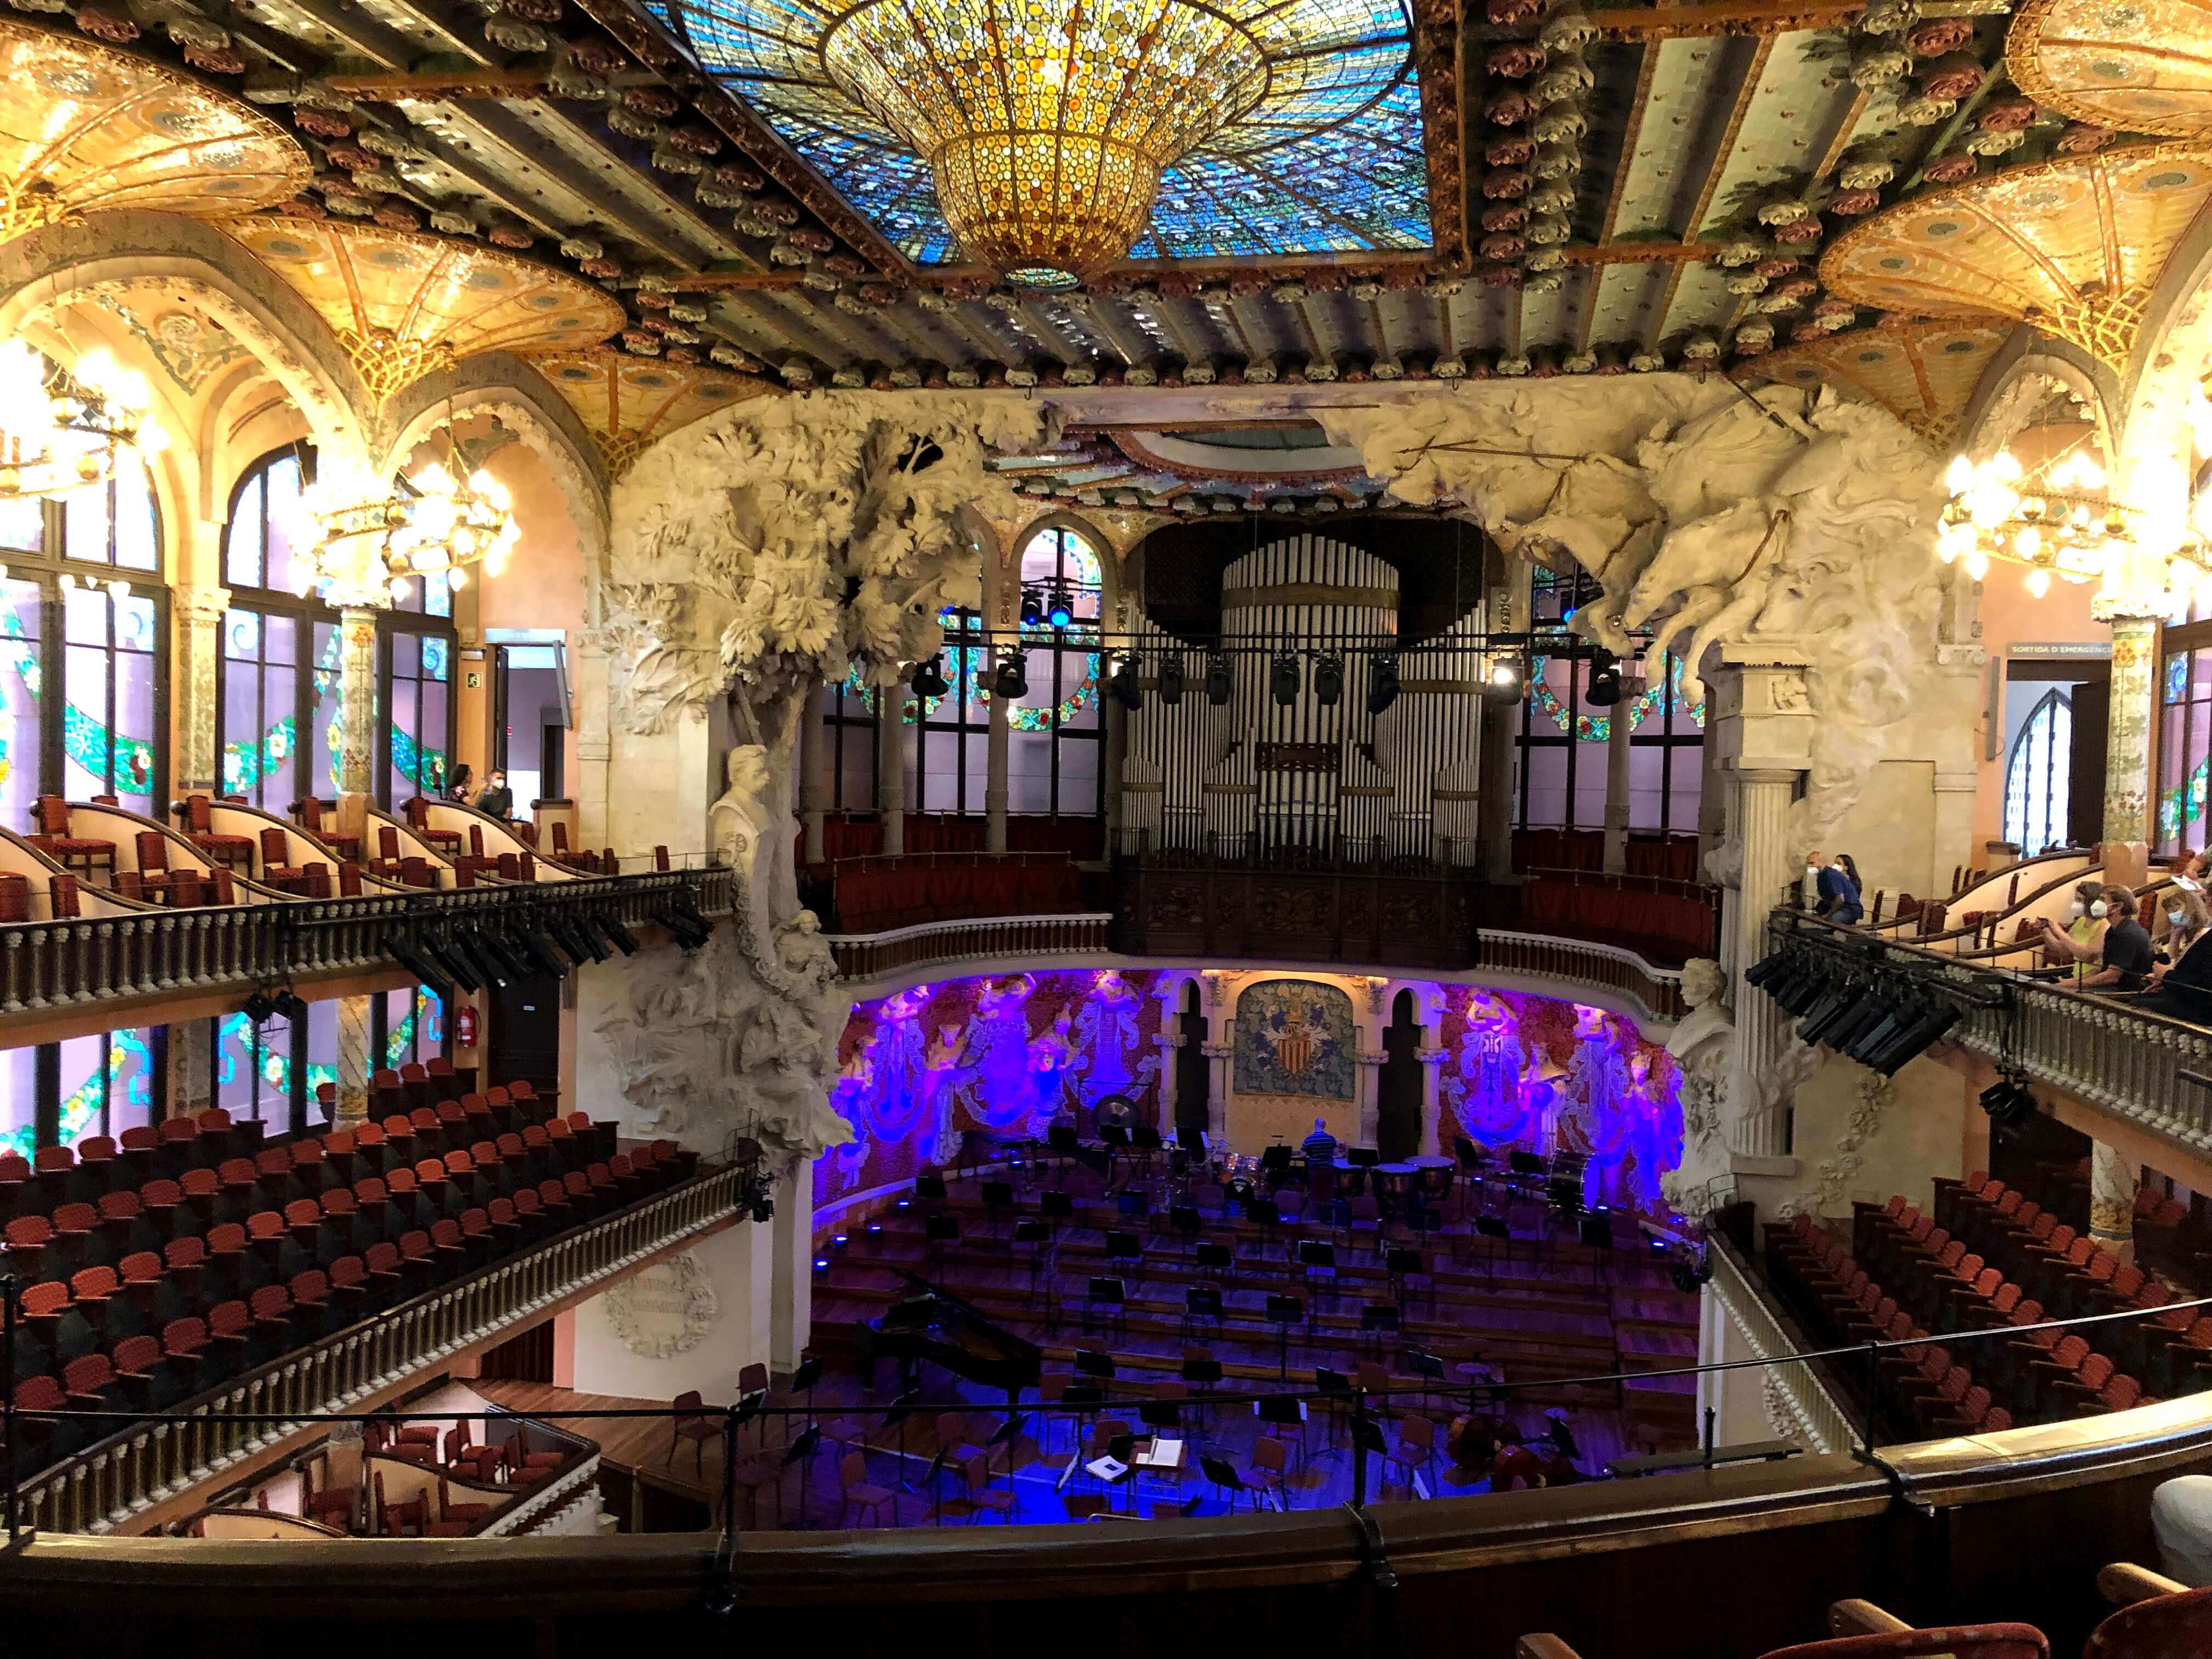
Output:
(513, 391)
(2022, 379)
(2174, 354)
(190, 265)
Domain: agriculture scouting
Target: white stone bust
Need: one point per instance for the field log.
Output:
(1709, 1019)
(739, 817)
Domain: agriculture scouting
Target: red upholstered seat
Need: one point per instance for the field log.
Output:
(309, 812)
(236, 851)
(418, 820)
(50, 818)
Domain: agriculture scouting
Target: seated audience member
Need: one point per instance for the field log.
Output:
(497, 800)
(2082, 942)
(2126, 961)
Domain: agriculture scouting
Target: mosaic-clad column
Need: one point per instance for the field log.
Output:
(1220, 1057)
(2112, 1200)
(354, 1062)
(1616, 786)
(2127, 750)
(357, 721)
(192, 1068)
(196, 615)
(890, 765)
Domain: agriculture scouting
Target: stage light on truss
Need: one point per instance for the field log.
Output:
(1032, 608)
(1603, 691)
(1127, 691)
(1170, 678)
(1329, 682)
(1059, 610)
(1382, 682)
(1283, 679)
(1219, 687)
(929, 679)
(1012, 682)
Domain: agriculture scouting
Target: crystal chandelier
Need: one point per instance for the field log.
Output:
(2055, 518)
(1048, 124)
(62, 429)
(433, 527)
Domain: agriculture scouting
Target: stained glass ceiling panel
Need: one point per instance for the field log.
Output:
(1329, 160)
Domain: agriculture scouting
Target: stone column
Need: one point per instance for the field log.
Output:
(1763, 725)
(814, 780)
(594, 743)
(790, 1317)
(1493, 807)
(195, 621)
(996, 741)
(1168, 1043)
(891, 764)
(192, 1068)
(1616, 784)
(355, 1062)
(2112, 1200)
(357, 723)
(1432, 1064)
(1760, 1128)
(1221, 1056)
(1367, 1093)
(2127, 750)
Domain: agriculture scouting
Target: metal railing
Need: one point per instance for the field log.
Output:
(58, 964)
(2103, 1050)
(156, 1456)
(864, 955)
(1363, 1411)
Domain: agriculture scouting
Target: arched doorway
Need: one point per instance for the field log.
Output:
(1398, 1116)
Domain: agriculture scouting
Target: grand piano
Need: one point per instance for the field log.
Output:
(931, 1323)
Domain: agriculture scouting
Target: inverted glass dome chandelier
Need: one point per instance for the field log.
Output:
(62, 429)
(1047, 124)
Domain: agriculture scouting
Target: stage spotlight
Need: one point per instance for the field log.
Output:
(456, 964)
(619, 936)
(1170, 685)
(1604, 687)
(764, 1208)
(1382, 686)
(1504, 681)
(1061, 611)
(1283, 679)
(1032, 608)
(929, 679)
(1219, 688)
(259, 1006)
(1125, 690)
(2008, 1103)
(1012, 682)
(1329, 682)
(293, 1007)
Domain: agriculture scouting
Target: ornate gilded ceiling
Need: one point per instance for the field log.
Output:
(1513, 186)
(404, 303)
(83, 126)
(1923, 372)
(627, 402)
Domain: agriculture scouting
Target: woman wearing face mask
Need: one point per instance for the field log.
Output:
(1840, 892)
(2082, 942)
(2182, 984)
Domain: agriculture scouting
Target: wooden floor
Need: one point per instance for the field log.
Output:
(1539, 1312)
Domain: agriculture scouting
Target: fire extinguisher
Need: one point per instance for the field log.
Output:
(464, 1026)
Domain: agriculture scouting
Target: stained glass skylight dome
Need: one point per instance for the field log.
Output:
(1043, 134)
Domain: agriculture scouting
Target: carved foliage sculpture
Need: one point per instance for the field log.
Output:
(1719, 516)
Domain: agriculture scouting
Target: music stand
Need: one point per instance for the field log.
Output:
(1005, 1435)
(1283, 1312)
(998, 1199)
(936, 1491)
(1494, 1227)
(1056, 1206)
(1038, 1237)
(1200, 1301)
(1192, 1142)
(1317, 1258)
(1225, 1478)
(1276, 1160)
(1217, 1258)
(1111, 1295)
(938, 1231)
(1125, 1247)
(1115, 1138)
(802, 1382)
(1379, 1319)
(1089, 1362)
(1367, 1437)
(1336, 1393)
(929, 1189)
(1596, 1233)
(1188, 1224)
(1421, 1364)
(895, 1416)
(1280, 1411)
(799, 1451)
(1362, 1157)
(1402, 1264)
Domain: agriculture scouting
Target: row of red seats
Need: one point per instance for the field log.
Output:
(876, 901)
(2073, 1275)
(1672, 926)
(1673, 857)
(157, 1330)
(211, 1140)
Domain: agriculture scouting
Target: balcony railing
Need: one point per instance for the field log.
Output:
(1583, 963)
(865, 956)
(53, 964)
(103, 1486)
(2143, 1067)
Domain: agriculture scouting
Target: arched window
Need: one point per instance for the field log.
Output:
(2037, 773)
(276, 709)
(82, 608)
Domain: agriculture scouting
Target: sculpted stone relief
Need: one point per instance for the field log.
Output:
(1714, 515)
(754, 555)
